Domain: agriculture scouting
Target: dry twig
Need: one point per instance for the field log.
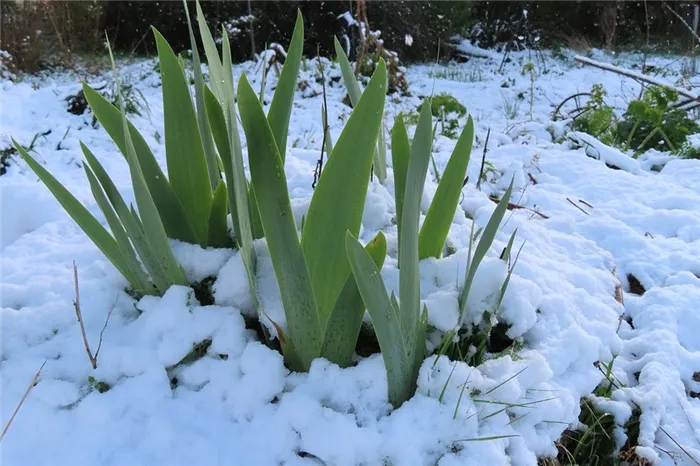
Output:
(21, 402)
(79, 315)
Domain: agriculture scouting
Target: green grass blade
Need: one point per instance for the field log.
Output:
(216, 72)
(103, 188)
(345, 320)
(380, 155)
(154, 231)
(487, 237)
(270, 185)
(409, 279)
(281, 105)
(187, 165)
(437, 222)
(131, 222)
(400, 154)
(505, 255)
(354, 92)
(506, 282)
(89, 224)
(219, 129)
(239, 184)
(169, 207)
(137, 278)
(255, 222)
(218, 227)
(202, 120)
(340, 194)
(353, 87)
(384, 320)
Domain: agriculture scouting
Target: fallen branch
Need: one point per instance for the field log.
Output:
(636, 75)
(21, 402)
(79, 315)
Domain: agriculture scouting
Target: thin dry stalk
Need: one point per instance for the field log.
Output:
(79, 315)
(577, 206)
(361, 14)
(21, 402)
(319, 163)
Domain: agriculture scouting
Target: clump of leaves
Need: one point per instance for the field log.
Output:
(653, 123)
(598, 118)
(447, 103)
(689, 151)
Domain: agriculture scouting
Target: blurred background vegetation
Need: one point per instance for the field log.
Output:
(40, 34)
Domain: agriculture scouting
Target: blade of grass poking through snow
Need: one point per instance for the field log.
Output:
(219, 129)
(221, 79)
(124, 222)
(409, 278)
(281, 105)
(132, 224)
(487, 237)
(137, 278)
(187, 165)
(89, 224)
(154, 231)
(238, 179)
(400, 153)
(218, 227)
(345, 320)
(176, 223)
(339, 197)
(385, 321)
(441, 212)
(270, 185)
(202, 120)
(506, 282)
(505, 255)
(354, 92)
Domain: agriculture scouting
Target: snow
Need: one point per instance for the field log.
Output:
(239, 403)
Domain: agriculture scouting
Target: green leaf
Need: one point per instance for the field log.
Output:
(400, 154)
(340, 194)
(439, 218)
(354, 92)
(384, 320)
(89, 224)
(270, 185)
(345, 320)
(202, 120)
(160, 253)
(131, 222)
(218, 227)
(187, 165)
(239, 182)
(506, 282)
(216, 72)
(409, 279)
(487, 237)
(221, 79)
(281, 106)
(169, 207)
(138, 278)
(219, 129)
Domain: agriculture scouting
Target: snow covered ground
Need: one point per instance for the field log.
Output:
(585, 225)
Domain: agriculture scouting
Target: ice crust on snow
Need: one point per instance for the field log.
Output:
(239, 403)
